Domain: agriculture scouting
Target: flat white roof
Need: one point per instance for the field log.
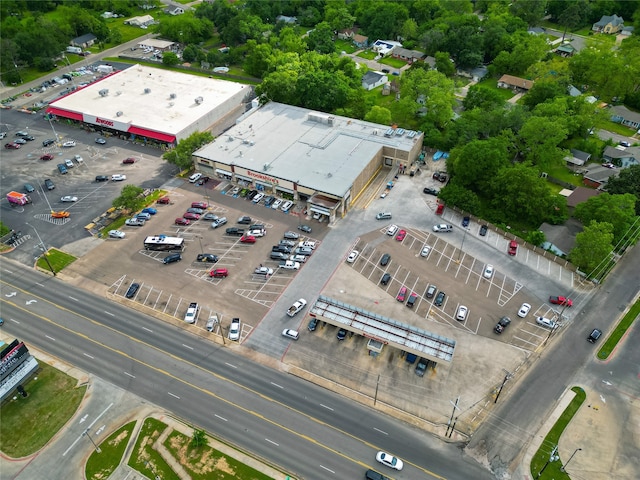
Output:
(154, 110)
(316, 150)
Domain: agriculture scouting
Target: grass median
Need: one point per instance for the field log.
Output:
(144, 458)
(619, 332)
(103, 463)
(55, 260)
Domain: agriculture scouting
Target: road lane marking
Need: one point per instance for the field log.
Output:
(187, 346)
(109, 313)
(50, 338)
(147, 329)
(381, 431)
(74, 298)
(229, 365)
(272, 442)
(173, 395)
(128, 374)
(327, 469)
(324, 406)
(221, 418)
(276, 385)
(87, 355)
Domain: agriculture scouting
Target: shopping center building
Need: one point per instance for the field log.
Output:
(153, 105)
(323, 160)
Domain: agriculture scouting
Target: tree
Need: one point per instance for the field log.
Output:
(199, 438)
(543, 90)
(475, 164)
(536, 238)
(381, 19)
(444, 64)
(459, 196)
(428, 93)
(259, 60)
(527, 51)
(130, 198)
(338, 16)
(181, 155)
(320, 39)
(379, 115)
(186, 28)
(482, 98)
(531, 11)
(170, 59)
(540, 137)
(627, 181)
(593, 246)
(190, 53)
(618, 210)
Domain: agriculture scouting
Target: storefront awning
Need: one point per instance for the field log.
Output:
(59, 112)
(323, 211)
(143, 132)
(223, 172)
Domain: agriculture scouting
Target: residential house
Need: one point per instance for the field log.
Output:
(627, 31)
(597, 176)
(371, 80)
(608, 24)
(347, 33)
(578, 158)
(621, 114)
(84, 41)
(142, 21)
(622, 157)
(174, 10)
(475, 74)
(561, 238)
(566, 50)
(384, 47)
(156, 44)
(573, 91)
(516, 84)
(360, 41)
(407, 55)
(580, 195)
(287, 20)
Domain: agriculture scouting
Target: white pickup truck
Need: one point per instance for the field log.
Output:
(296, 307)
(290, 265)
(192, 313)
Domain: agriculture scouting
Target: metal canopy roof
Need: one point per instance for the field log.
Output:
(400, 335)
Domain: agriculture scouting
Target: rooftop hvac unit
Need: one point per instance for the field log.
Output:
(199, 100)
(147, 90)
(388, 133)
(320, 118)
(375, 131)
(172, 95)
(400, 132)
(118, 114)
(104, 92)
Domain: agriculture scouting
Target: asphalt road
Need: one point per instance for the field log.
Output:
(309, 431)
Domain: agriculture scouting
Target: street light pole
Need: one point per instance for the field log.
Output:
(43, 249)
(86, 432)
(462, 244)
(506, 377)
(563, 468)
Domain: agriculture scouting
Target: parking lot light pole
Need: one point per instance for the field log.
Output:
(506, 377)
(462, 244)
(43, 249)
(564, 467)
(86, 432)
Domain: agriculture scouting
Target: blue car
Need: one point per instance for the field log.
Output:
(150, 211)
(62, 168)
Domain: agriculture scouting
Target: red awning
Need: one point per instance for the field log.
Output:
(59, 112)
(163, 137)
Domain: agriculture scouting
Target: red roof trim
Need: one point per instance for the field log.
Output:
(65, 113)
(163, 137)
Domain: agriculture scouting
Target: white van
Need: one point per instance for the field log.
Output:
(392, 230)
(195, 177)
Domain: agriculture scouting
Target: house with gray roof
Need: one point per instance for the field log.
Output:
(621, 114)
(371, 80)
(622, 157)
(598, 175)
(578, 157)
(84, 41)
(407, 55)
(608, 24)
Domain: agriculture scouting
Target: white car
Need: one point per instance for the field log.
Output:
(389, 460)
(298, 258)
(78, 159)
(442, 227)
(218, 222)
(391, 231)
(545, 322)
(69, 198)
(258, 232)
(116, 234)
(286, 206)
(352, 256)
(263, 271)
(488, 271)
(524, 310)
(292, 334)
(425, 251)
(195, 177)
(276, 204)
(234, 329)
(69, 163)
(308, 244)
(461, 314)
(69, 143)
(258, 197)
(100, 141)
(118, 177)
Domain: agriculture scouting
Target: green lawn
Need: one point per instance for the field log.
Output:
(393, 62)
(345, 45)
(57, 260)
(552, 470)
(101, 465)
(144, 458)
(29, 423)
(492, 84)
(368, 54)
(619, 331)
(618, 128)
(563, 173)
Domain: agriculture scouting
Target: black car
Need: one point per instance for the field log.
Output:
(342, 334)
(421, 367)
(244, 220)
(174, 257)
(431, 291)
(483, 230)
(49, 184)
(278, 256)
(430, 191)
(133, 288)
(465, 222)
(304, 228)
(502, 324)
(29, 188)
(29, 138)
(207, 257)
(252, 194)
(385, 259)
(102, 178)
(385, 279)
(203, 180)
(281, 248)
(440, 299)
(313, 324)
(269, 200)
(235, 231)
(594, 335)
(47, 142)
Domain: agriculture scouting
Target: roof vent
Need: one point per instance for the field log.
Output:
(172, 95)
(199, 100)
(118, 93)
(118, 114)
(265, 167)
(171, 104)
(104, 92)
(147, 90)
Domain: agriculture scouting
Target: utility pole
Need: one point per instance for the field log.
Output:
(506, 377)
(450, 423)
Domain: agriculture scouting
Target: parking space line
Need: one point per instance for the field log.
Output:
(157, 299)
(168, 301)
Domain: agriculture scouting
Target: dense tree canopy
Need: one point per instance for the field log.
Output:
(618, 210)
(182, 154)
(593, 247)
(130, 198)
(627, 181)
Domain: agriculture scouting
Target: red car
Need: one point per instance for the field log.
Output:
(402, 294)
(564, 301)
(202, 205)
(46, 156)
(191, 216)
(219, 272)
(513, 247)
(247, 239)
(401, 235)
(163, 200)
(12, 146)
(182, 221)
(129, 160)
